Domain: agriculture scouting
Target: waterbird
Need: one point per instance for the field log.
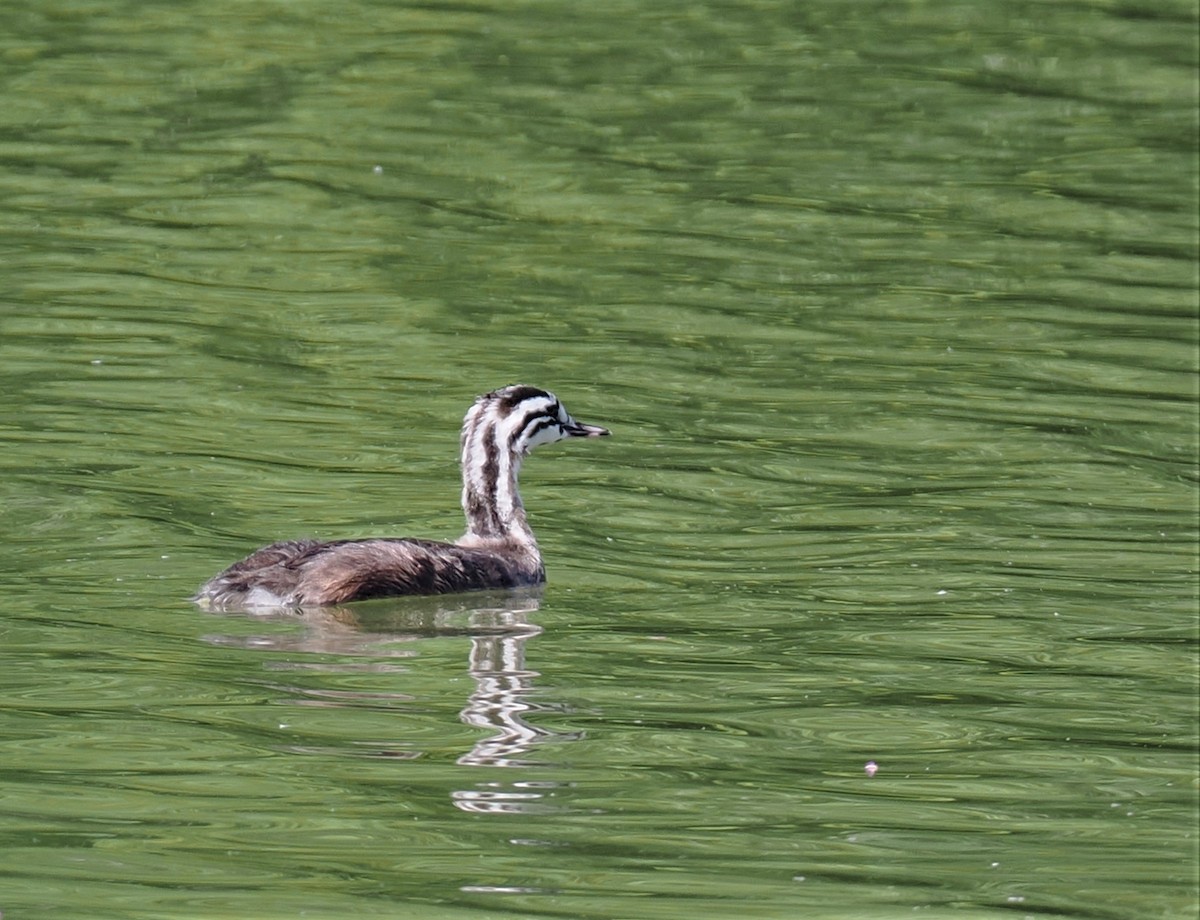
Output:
(498, 549)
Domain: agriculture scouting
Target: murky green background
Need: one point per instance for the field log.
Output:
(892, 309)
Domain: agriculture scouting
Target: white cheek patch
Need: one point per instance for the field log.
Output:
(547, 435)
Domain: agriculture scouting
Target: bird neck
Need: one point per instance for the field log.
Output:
(490, 497)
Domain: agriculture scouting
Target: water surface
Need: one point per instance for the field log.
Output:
(893, 313)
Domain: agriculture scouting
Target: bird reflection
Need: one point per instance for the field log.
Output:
(378, 633)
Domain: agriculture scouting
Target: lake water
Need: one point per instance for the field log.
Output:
(892, 311)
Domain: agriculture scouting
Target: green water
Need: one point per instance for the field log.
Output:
(892, 310)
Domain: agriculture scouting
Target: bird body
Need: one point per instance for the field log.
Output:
(498, 549)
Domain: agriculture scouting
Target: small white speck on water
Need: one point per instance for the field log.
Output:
(378, 170)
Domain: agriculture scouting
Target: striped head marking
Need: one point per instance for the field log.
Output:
(500, 429)
(521, 417)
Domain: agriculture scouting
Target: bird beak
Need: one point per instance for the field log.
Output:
(577, 430)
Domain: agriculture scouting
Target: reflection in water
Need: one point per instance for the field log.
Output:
(497, 627)
(497, 665)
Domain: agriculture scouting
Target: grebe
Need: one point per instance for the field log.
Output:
(497, 551)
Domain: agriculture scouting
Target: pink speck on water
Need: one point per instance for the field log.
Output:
(871, 768)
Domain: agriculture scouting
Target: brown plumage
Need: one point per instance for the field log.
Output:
(498, 549)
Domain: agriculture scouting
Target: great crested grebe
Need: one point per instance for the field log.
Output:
(497, 551)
